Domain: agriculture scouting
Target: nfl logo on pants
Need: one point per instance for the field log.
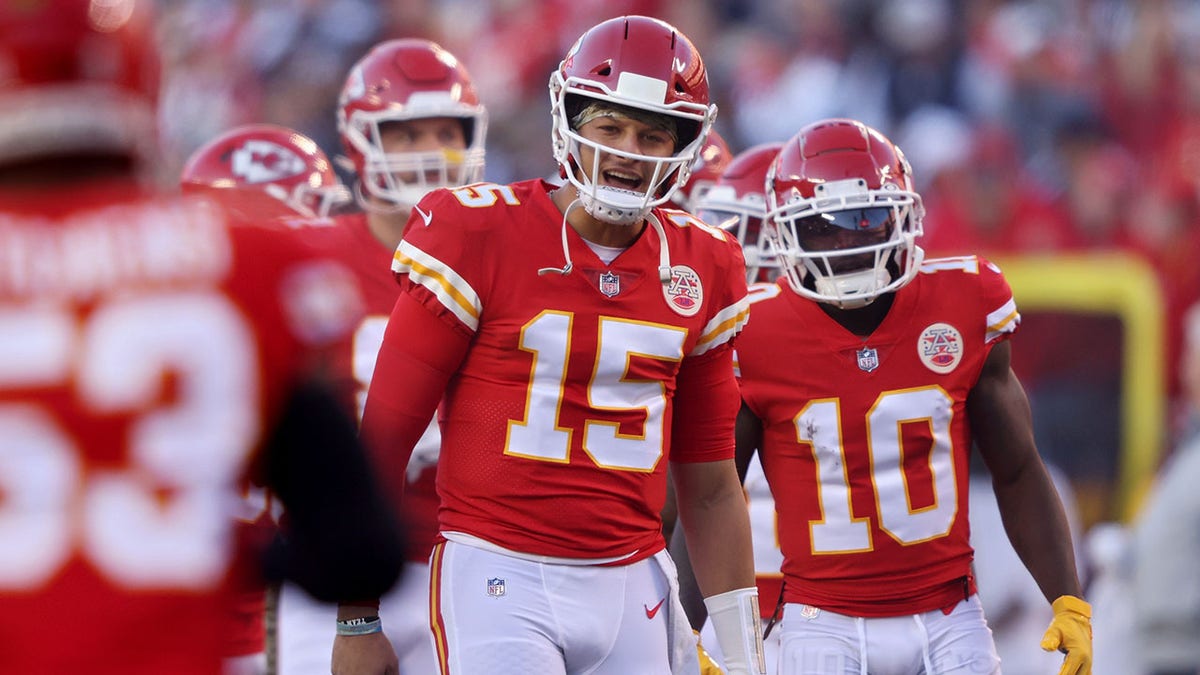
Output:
(495, 587)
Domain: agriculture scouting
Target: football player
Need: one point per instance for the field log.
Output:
(895, 368)
(297, 180)
(410, 122)
(157, 351)
(736, 203)
(581, 339)
(711, 161)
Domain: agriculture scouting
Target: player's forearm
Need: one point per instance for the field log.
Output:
(718, 537)
(689, 592)
(1037, 527)
(357, 610)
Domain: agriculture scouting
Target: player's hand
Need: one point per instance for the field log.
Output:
(1070, 632)
(364, 655)
(707, 665)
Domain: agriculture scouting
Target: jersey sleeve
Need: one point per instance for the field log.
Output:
(418, 355)
(439, 263)
(732, 303)
(1003, 319)
(706, 398)
(706, 406)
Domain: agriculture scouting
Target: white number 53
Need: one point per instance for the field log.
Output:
(151, 506)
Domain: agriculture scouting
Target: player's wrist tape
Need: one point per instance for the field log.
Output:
(738, 625)
(362, 625)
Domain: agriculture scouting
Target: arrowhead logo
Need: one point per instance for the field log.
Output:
(652, 611)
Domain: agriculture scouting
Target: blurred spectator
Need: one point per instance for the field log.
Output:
(1166, 579)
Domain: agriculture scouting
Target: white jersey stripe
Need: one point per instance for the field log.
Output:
(721, 329)
(1001, 321)
(451, 290)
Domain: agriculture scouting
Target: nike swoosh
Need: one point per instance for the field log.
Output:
(427, 217)
(651, 611)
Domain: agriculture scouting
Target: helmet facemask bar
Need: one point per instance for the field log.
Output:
(894, 262)
(721, 207)
(403, 178)
(319, 201)
(614, 205)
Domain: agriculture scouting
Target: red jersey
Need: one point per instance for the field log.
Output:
(147, 346)
(350, 238)
(866, 441)
(558, 420)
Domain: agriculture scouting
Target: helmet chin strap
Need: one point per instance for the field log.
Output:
(664, 255)
(565, 269)
(374, 206)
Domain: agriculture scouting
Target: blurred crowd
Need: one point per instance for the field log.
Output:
(1034, 126)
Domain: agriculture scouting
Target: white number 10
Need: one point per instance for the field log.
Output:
(819, 426)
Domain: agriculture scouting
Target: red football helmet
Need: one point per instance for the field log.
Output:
(401, 80)
(78, 78)
(281, 162)
(738, 203)
(638, 62)
(842, 216)
(712, 160)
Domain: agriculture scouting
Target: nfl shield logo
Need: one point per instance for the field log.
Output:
(495, 587)
(610, 284)
(868, 359)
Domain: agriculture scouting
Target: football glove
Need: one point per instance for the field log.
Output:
(707, 665)
(1070, 632)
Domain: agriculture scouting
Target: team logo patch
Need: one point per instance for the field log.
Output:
(868, 359)
(495, 587)
(610, 284)
(684, 293)
(940, 347)
(809, 612)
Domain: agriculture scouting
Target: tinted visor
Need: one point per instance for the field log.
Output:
(874, 224)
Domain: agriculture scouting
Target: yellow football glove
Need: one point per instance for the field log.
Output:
(707, 665)
(1070, 632)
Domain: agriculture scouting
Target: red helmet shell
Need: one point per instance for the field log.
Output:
(747, 172)
(641, 62)
(269, 158)
(78, 77)
(404, 79)
(714, 157)
(833, 150)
